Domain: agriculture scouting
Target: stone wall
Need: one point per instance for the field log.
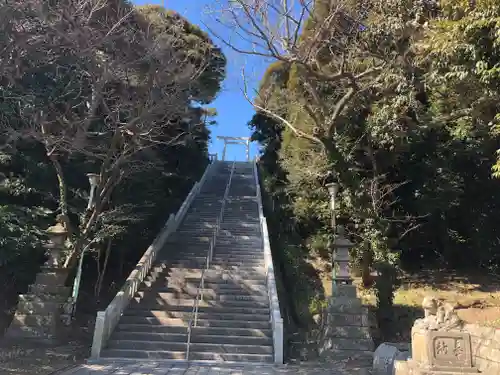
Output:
(485, 342)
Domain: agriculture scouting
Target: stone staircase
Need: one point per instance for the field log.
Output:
(233, 318)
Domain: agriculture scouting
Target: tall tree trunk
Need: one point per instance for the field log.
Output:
(63, 195)
(366, 263)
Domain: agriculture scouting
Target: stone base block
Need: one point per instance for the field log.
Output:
(49, 289)
(442, 350)
(355, 332)
(349, 291)
(345, 330)
(39, 328)
(38, 313)
(334, 319)
(344, 304)
(52, 276)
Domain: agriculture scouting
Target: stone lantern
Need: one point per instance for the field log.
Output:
(57, 235)
(341, 246)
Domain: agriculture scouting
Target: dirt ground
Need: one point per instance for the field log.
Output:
(18, 360)
(25, 358)
(476, 298)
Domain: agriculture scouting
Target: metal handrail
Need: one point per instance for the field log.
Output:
(210, 253)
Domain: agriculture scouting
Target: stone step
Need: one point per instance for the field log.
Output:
(208, 294)
(186, 306)
(195, 347)
(223, 287)
(196, 337)
(201, 246)
(42, 298)
(356, 332)
(169, 322)
(215, 272)
(226, 264)
(181, 355)
(151, 328)
(193, 235)
(49, 289)
(202, 215)
(37, 307)
(243, 260)
(33, 319)
(361, 345)
(361, 358)
(197, 331)
(228, 238)
(240, 256)
(236, 252)
(235, 249)
(243, 265)
(238, 226)
(176, 239)
(236, 280)
(239, 234)
(187, 253)
(151, 300)
(204, 313)
(184, 233)
(346, 319)
(223, 237)
(51, 276)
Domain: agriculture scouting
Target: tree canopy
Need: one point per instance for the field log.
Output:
(398, 102)
(105, 88)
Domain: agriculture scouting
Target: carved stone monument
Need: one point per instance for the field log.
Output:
(439, 344)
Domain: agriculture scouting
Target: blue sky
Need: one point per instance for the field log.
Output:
(234, 111)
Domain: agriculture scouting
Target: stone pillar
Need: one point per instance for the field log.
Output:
(345, 331)
(386, 356)
(37, 316)
(224, 151)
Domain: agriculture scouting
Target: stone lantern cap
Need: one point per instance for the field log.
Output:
(341, 241)
(93, 178)
(57, 230)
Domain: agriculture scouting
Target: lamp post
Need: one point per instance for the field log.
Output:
(333, 189)
(94, 179)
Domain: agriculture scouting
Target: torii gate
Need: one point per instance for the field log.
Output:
(244, 141)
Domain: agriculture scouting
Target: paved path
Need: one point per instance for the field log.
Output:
(157, 368)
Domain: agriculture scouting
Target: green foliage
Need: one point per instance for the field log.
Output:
(412, 150)
(125, 105)
(196, 45)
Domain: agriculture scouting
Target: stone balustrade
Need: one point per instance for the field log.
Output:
(276, 319)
